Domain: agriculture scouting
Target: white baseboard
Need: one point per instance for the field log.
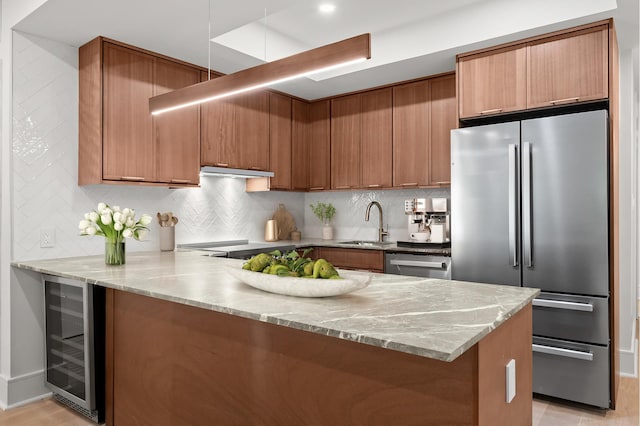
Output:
(21, 390)
(629, 361)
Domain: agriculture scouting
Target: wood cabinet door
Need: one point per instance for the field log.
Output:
(345, 142)
(319, 146)
(347, 258)
(377, 135)
(128, 149)
(493, 82)
(280, 140)
(217, 124)
(299, 145)
(411, 116)
(252, 130)
(443, 119)
(176, 133)
(568, 68)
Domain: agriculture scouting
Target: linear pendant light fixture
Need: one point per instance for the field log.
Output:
(324, 58)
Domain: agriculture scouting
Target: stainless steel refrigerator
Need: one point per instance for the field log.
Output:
(529, 207)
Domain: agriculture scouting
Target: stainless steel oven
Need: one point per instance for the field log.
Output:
(74, 344)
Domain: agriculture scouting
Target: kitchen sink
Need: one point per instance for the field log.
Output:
(367, 243)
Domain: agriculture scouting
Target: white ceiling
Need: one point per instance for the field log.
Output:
(409, 38)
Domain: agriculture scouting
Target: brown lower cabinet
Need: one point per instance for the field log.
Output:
(348, 258)
(173, 364)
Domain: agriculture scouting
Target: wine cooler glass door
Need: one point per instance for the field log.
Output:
(68, 340)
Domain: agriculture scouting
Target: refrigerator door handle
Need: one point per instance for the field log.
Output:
(513, 202)
(526, 203)
(568, 353)
(562, 304)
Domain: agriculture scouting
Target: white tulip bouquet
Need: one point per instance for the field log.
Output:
(115, 224)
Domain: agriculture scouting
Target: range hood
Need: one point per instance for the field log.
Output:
(234, 173)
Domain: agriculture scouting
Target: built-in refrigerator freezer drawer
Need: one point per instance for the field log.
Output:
(572, 371)
(576, 318)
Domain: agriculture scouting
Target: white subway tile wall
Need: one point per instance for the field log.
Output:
(46, 195)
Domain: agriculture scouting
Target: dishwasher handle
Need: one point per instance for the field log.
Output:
(419, 264)
(567, 353)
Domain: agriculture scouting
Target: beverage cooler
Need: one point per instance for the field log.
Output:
(74, 344)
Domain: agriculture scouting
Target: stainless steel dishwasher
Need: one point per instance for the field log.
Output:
(418, 264)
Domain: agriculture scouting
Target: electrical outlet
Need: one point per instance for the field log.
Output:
(47, 237)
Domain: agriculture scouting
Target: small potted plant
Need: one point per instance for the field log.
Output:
(325, 212)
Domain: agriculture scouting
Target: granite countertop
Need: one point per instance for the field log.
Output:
(433, 318)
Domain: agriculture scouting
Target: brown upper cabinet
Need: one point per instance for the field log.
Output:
(569, 68)
(235, 132)
(280, 140)
(411, 117)
(345, 142)
(560, 68)
(361, 140)
(119, 140)
(319, 146)
(376, 139)
(300, 136)
(493, 82)
(176, 133)
(443, 119)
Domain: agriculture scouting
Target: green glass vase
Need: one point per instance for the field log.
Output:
(114, 253)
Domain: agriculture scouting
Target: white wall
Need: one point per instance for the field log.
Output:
(628, 214)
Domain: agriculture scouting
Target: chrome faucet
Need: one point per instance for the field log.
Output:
(381, 232)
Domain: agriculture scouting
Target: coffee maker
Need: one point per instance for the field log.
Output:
(427, 222)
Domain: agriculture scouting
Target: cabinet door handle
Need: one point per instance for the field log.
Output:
(343, 187)
(221, 164)
(565, 100)
(375, 185)
(316, 188)
(135, 178)
(409, 184)
(180, 181)
(490, 111)
(444, 182)
(255, 168)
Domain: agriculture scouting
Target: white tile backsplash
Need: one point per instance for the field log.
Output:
(351, 206)
(46, 194)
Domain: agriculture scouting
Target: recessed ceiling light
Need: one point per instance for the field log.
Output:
(327, 8)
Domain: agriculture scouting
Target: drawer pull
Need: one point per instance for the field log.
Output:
(136, 178)
(567, 353)
(490, 111)
(419, 264)
(180, 181)
(221, 164)
(565, 100)
(562, 304)
(316, 188)
(375, 185)
(256, 168)
(343, 187)
(444, 182)
(409, 184)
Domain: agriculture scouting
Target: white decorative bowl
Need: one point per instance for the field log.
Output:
(301, 287)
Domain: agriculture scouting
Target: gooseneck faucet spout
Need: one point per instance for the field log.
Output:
(381, 232)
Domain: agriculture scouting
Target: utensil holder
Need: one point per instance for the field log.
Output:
(167, 238)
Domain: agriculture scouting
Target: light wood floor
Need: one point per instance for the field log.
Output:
(49, 412)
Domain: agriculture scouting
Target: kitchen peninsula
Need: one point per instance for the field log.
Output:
(189, 344)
